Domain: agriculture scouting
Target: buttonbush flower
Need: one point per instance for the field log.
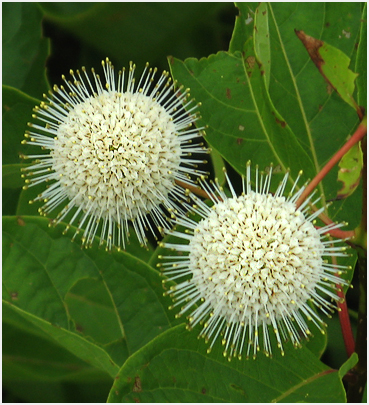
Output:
(115, 151)
(253, 265)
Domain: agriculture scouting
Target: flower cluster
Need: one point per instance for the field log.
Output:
(116, 151)
(252, 264)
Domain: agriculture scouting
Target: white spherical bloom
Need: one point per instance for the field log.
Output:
(253, 264)
(116, 152)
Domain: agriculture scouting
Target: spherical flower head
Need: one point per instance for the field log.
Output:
(255, 263)
(115, 152)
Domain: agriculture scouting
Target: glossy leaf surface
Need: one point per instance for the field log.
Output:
(175, 366)
(44, 273)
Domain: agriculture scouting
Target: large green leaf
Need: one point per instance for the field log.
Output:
(244, 25)
(296, 86)
(80, 347)
(315, 121)
(175, 368)
(333, 65)
(242, 122)
(349, 173)
(319, 118)
(44, 274)
(28, 357)
(12, 175)
(24, 49)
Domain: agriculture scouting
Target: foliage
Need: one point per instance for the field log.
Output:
(78, 323)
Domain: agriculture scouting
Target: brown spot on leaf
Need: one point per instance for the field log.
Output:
(239, 141)
(171, 59)
(137, 387)
(278, 121)
(327, 24)
(312, 45)
(264, 12)
(14, 296)
(250, 60)
(79, 328)
(203, 391)
(136, 400)
(330, 89)
(6, 107)
(228, 93)
(20, 221)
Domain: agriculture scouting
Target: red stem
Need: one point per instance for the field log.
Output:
(348, 336)
(356, 137)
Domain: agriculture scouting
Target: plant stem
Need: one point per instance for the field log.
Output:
(195, 190)
(356, 137)
(344, 317)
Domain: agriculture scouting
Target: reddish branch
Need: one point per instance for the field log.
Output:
(195, 190)
(356, 137)
(348, 336)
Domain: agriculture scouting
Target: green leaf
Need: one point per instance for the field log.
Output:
(65, 10)
(244, 25)
(218, 165)
(29, 357)
(262, 40)
(12, 175)
(175, 368)
(56, 392)
(24, 49)
(316, 116)
(242, 122)
(74, 343)
(44, 273)
(349, 173)
(361, 61)
(10, 195)
(17, 111)
(89, 305)
(298, 89)
(333, 66)
(348, 365)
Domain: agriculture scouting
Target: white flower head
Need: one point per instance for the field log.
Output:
(253, 264)
(116, 151)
